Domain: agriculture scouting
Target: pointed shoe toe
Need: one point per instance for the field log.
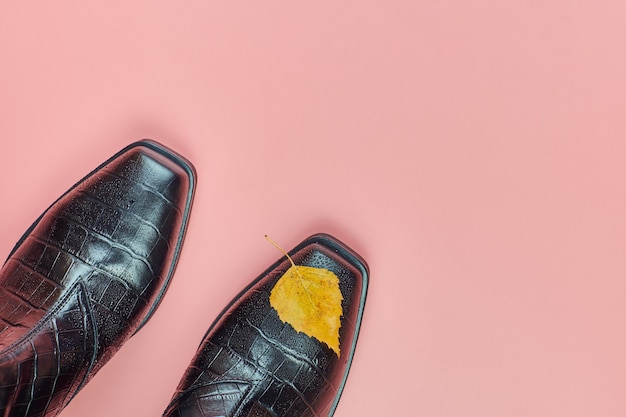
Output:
(88, 274)
(284, 345)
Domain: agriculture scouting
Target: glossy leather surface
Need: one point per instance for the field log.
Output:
(88, 274)
(251, 364)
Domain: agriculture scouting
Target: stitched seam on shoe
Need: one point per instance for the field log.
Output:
(86, 263)
(28, 336)
(56, 376)
(94, 353)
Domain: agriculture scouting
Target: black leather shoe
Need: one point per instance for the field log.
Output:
(88, 274)
(283, 347)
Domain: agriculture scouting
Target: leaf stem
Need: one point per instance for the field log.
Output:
(269, 239)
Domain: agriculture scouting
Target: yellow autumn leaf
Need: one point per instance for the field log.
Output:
(309, 299)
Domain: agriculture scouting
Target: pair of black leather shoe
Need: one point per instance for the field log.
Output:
(93, 268)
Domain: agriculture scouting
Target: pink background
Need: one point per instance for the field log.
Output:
(472, 151)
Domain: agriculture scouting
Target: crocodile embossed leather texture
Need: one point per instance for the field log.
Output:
(252, 364)
(88, 274)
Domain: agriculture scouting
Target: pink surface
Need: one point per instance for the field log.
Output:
(472, 152)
